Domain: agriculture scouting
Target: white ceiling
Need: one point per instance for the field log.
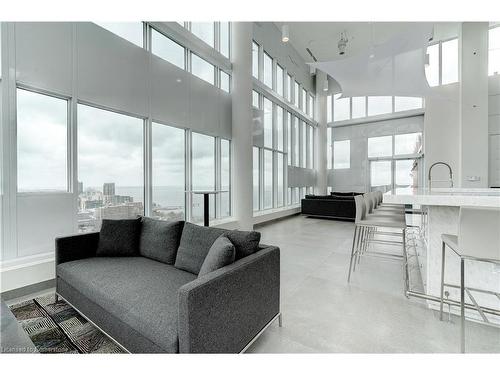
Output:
(322, 37)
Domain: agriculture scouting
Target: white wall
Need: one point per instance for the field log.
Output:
(494, 130)
(356, 178)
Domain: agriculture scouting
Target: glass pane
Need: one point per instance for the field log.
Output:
(279, 127)
(41, 142)
(168, 168)
(310, 148)
(303, 137)
(224, 81)
(289, 196)
(202, 69)
(405, 144)
(268, 123)
(268, 70)
(110, 167)
(131, 31)
(225, 178)
(296, 93)
(432, 69)
(279, 80)
(255, 178)
(405, 176)
(449, 61)
(268, 179)
(406, 103)
(296, 141)
(380, 173)
(329, 148)
(255, 99)
(304, 101)
(379, 105)
(358, 106)
(289, 87)
(341, 108)
(224, 38)
(380, 146)
(280, 179)
(295, 195)
(204, 31)
(329, 109)
(289, 138)
(342, 154)
(167, 49)
(255, 60)
(203, 173)
(494, 51)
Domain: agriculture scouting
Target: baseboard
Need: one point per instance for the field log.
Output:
(23, 272)
(29, 289)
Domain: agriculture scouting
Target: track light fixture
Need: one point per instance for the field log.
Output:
(325, 84)
(342, 42)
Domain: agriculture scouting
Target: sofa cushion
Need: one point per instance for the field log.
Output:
(245, 242)
(221, 253)
(194, 246)
(159, 240)
(119, 237)
(140, 292)
(197, 240)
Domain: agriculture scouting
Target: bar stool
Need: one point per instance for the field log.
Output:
(478, 240)
(380, 198)
(365, 224)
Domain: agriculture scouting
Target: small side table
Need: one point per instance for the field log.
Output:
(206, 203)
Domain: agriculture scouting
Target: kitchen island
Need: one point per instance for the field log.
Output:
(440, 207)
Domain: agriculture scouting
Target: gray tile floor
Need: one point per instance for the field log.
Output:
(324, 314)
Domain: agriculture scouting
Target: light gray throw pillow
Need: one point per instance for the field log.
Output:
(221, 253)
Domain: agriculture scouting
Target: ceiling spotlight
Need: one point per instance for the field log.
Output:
(285, 34)
(342, 42)
(325, 84)
(372, 52)
(312, 70)
(427, 60)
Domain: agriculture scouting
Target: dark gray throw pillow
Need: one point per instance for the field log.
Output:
(159, 240)
(119, 238)
(245, 242)
(195, 244)
(221, 253)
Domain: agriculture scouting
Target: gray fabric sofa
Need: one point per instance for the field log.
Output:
(151, 307)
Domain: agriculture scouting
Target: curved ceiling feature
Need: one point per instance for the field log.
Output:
(395, 67)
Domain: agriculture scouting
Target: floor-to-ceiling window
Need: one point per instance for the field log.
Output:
(42, 139)
(168, 172)
(224, 197)
(110, 166)
(203, 174)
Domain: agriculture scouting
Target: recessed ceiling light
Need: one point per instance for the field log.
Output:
(325, 84)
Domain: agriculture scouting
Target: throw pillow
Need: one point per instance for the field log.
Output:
(119, 238)
(221, 253)
(159, 240)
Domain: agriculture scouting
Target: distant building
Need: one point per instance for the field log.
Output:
(108, 188)
(112, 200)
(126, 211)
(80, 187)
(90, 204)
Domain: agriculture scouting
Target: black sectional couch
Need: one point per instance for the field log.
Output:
(157, 287)
(337, 205)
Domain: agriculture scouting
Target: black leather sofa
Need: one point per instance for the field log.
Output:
(337, 205)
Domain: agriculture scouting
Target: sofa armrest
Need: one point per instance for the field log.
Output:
(223, 311)
(76, 247)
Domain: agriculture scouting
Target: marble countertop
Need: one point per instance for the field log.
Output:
(445, 197)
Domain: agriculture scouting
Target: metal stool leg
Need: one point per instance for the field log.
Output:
(443, 256)
(352, 251)
(462, 305)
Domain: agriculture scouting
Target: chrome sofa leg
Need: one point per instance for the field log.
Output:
(462, 305)
(280, 320)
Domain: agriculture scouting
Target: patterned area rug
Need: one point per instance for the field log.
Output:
(58, 328)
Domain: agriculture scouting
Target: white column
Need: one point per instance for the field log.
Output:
(242, 123)
(321, 139)
(474, 105)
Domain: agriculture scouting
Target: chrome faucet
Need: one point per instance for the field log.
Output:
(430, 169)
